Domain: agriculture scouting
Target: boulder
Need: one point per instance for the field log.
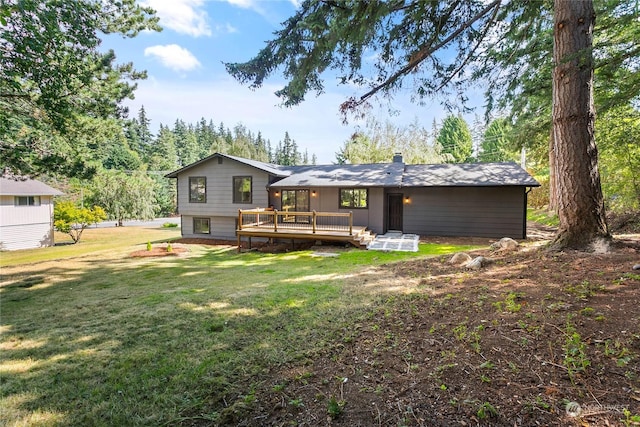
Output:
(505, 244)
(636, 267)
(477, 263)
(460, 258)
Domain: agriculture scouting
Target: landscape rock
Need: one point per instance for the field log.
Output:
(477, 263)
(506, 243)
(460, 258)
(636, 267)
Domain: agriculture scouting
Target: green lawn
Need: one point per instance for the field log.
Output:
(91, 336)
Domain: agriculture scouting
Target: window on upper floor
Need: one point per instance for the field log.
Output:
(354, 198)
(27, 201)
(242, 187)
(197, 189)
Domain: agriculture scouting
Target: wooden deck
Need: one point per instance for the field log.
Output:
(325, 226)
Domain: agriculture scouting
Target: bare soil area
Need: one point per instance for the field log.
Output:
(535, 338)
(162, 250)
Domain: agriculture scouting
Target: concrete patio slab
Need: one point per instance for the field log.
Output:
(395, 241)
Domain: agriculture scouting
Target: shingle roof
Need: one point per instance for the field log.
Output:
(378, 175)
(467, 175)
(401, 175)
(26, 187)
(387, 174)
(272, 169)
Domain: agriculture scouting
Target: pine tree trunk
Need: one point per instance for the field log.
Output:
(577, 179)
(553, 193)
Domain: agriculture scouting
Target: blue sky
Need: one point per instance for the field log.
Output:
(187, 79)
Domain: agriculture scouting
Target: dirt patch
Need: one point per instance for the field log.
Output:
(266, 247)
(161, 251)
(535, 338)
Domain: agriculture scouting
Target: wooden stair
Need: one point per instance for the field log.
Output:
(362, 239)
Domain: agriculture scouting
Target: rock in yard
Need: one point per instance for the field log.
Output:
(636, 267)
(506, 243)
(477, 263)
(460, 258)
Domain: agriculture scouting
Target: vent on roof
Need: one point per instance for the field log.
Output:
(397, 158)
(219, 160)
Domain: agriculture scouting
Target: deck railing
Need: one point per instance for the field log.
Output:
(275, 220)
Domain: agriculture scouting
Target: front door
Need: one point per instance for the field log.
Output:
(394, 212)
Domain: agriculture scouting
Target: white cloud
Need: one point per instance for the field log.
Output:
(254, 5)
(226, 28)
(182, 16)
(173, 56)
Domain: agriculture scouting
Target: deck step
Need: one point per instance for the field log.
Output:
(363, 239)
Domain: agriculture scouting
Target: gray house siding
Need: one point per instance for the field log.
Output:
(326, 200)
(465, 211)
(471, 199)
(219, 207)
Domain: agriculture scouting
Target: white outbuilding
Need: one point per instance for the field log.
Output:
(26, 214)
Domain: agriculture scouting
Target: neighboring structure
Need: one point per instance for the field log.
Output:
(26, 214)
(471, 199)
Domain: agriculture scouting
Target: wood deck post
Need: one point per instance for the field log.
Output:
(239, 219)
(313, 222)
(275, 220)
(350, 223)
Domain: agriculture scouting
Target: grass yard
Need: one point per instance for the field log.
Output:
(92, 336)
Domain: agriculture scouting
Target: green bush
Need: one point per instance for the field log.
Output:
(169, 225)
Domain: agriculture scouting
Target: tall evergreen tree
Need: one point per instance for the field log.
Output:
(186, 143)
(163, 154)
(434, 44)
(495, 145)
(455, 139)
(144, 133)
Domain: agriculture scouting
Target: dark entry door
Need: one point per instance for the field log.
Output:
(394, 214)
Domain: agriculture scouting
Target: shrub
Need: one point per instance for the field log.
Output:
(72, 220)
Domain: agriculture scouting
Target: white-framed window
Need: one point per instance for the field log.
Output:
(27, 200)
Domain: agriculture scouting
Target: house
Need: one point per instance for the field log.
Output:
(471, 199)
(26, 214)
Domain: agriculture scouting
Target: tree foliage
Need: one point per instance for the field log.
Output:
(70, 219)
(441, 47)
(407, 37)
(455, 139)
(378, 142)
(125, 196)
(52, 73)
(618, 133)
(496, 145)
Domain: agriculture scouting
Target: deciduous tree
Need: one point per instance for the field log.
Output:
(70, 219)
(125, 196)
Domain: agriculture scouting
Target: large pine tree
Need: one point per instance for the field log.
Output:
(414, 40)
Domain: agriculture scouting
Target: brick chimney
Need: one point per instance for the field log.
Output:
(397, 158)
